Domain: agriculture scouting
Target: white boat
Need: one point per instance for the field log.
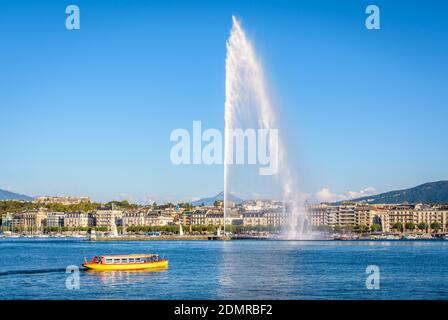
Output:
(14, 236)
(392, 237)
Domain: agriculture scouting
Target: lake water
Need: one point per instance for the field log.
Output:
(35, 269)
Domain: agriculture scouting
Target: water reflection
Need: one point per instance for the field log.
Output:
(231, 270)
(252, 271)
(119, 277)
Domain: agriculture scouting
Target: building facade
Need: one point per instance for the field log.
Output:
(385, 216)
(55, 219)
(61, 200)
(108, 218)
(78, 220)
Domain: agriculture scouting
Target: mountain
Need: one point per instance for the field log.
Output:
(431, 192)
(8, 195)
(220, 196)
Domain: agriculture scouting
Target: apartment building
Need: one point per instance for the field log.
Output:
(79, 219)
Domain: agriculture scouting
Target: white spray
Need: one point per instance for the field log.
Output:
(246, 88)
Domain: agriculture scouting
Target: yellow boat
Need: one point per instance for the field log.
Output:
(126, 262)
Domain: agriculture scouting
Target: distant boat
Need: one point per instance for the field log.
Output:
(126, 262)
(42, 236)
(392, 237)
(340, 237)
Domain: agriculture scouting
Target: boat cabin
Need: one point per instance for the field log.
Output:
(126, 259)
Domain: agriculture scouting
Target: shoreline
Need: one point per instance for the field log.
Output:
(221, 238)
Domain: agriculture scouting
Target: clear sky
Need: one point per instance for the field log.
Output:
(90, 111)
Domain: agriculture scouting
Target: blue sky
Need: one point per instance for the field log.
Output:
(89, 112)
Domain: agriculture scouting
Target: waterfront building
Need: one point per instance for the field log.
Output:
(332, 215)
(256, 218)
(198, 217)
(379, 215)
(430, 214)
(108, 218)
(276, 217)
(134, 218)
(78, 219)
(363, 215)
(346, 215)
(7, 220)
(214, 218)
(318, 215)
(29, 220)
(185, 218)
(55, 219)
(159, 218)
(401, 214)
(385, 215)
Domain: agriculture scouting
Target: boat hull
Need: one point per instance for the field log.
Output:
(129, 266)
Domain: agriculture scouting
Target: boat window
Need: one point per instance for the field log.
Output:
(124, 260)
(116, 260)
(137, 259)
(131, 260)
(109, 260)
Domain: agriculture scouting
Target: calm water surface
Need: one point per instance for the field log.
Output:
(35, 269)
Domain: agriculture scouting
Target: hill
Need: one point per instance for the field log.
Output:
(431, 192)
(220, 196)
(8, 195)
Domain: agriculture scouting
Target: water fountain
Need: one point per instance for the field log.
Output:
(247, 101)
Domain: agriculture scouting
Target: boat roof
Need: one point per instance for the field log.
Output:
(129, 255)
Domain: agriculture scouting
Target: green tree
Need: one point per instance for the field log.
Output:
(423, 226)
(337, 229)
(123, 205)
(350, 227)
(436, 226)
(398, 226)
(410, 226)
(375, 227)
(362, 228)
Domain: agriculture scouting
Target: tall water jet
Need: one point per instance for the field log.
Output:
(247, 101)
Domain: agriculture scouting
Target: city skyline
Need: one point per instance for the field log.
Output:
(90, 112)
